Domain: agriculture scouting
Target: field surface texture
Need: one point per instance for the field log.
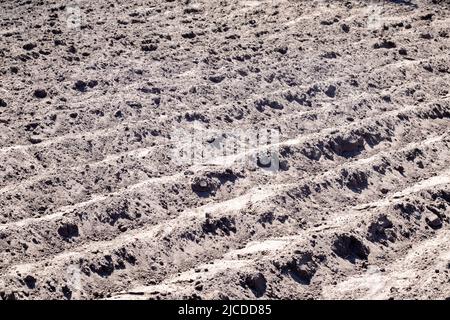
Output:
(224, 149)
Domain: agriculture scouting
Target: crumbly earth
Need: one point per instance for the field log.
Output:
(95, 205)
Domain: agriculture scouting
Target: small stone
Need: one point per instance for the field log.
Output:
(257, 283)
(264, 161)
(92, 83)
(331, 91)
(149, 48)
(201, 185)
(34, 140)
(72, 50)
(40, 93)
(345, 28)
(30, 281)
(433, 221)
(385, 44)
(386, 98)
(29, 46)
(428, 16)
(80, 86)
(199, 287)
(189, 35)
(282, 50)
(217, 78)
(3, 104)
(68, 230)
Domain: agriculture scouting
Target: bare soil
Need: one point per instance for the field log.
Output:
(95, 205)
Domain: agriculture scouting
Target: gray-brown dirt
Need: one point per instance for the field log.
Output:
(95, 204)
